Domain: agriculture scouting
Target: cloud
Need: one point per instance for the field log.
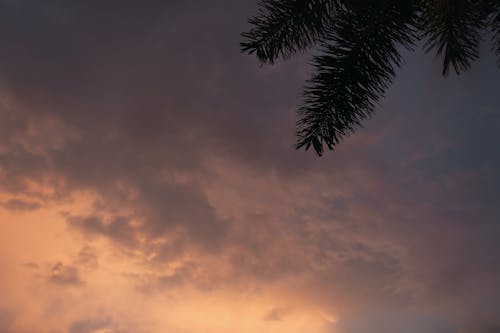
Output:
(20, 205)
(118, 228)
(275, 314)
(91, 326)
(6, 320)
(185, 149)
(87, 258)
(64, 275)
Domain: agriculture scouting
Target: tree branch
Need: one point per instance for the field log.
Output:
(354, 70)
(285, 27)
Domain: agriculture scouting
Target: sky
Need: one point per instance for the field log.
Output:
(149, 184)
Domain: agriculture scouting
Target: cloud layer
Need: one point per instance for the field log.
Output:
(148, 183)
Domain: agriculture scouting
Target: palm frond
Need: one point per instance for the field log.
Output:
(357, 65)
(284, 27)
(453, 27)
(495, 25)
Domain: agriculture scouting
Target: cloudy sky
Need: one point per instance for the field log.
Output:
(149, 184)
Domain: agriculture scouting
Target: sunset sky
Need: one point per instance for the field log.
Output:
(149, 184)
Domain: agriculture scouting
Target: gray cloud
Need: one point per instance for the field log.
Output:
(6, 319)
(141, 103)
(64, 275)
(276, 314)
(119, 228)
(20, 205)
(87, 258)
(89, 325)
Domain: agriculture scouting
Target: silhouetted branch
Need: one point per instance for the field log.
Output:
(453, 27)
(359, 41)
(495, 22)
(283, 28)
(355, 68)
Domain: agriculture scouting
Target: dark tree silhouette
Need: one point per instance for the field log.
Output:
(360, 43)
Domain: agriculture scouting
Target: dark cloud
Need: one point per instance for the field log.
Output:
(31, 265)
(118, 228)
(6, 321)
(152, 109)
(89, 325)
(203, 277)
(276, 314)
(20, 205)
(162, 209)
(87, 258)
(64, 275)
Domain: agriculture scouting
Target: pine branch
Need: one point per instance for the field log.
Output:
(285, 27)
(495, 25)
(357, 65)
(454, 27)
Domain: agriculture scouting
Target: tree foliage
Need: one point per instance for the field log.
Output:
(359, 43)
